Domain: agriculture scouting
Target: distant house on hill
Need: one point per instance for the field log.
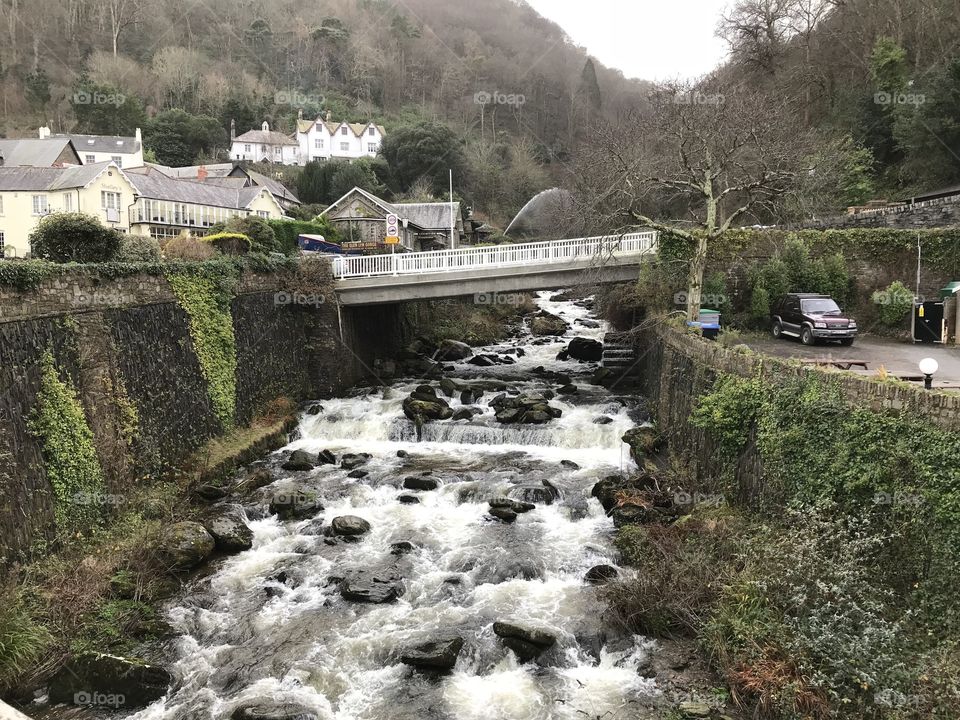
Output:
(323, 139)
(264, 146)
(361, 217)
(124, 152)
(37, 152)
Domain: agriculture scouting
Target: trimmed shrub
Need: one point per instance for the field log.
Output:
(229, 243)
(187, 247)
(139, 249)
(893, 304)
(74, 237)
(262, 237)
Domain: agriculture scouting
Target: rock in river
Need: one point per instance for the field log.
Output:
(184, 545)
(600, 574)
(300, 461)
(349, 525)
(526, 642)
(295, 505)
(370, 587)
(230, 532)
(581, 348)
(267, 709)
(531, 408)
(453, 350)
(421, 483)
(436, 655)
(90, 673)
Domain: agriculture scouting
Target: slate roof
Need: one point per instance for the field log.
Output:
(359, 129)
(153, 184)
(34, 152)
(426, 216)
(220, 174)
(45, 179)
(265, 137)
(113, 144)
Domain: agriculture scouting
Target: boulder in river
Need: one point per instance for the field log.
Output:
(133, 682)
(261, 477)
(325, 457)
(370, 587)
(402, 548)
(581, 348)
(229, 531)
(421, 483)
(351, 461)
(435, 655)
(184, 545)
(267, 709)
(644, 441)
(299, 461)
(409, 500)
(463, 414)
(349, 525)
(295, 505)
(452, 350)
(600, 574)
(544, 323)
(527, 643)
(503, 514)
(528, 408)
(543, 493)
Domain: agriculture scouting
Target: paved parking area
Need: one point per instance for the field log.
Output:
(898, 358)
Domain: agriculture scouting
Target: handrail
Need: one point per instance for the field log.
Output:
(550, 251)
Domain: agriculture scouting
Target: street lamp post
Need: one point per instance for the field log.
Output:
(928, 366)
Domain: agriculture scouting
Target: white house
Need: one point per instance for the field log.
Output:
(324, 140)
(265, 145)
(124, 152)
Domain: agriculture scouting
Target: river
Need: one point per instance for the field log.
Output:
(270, 630)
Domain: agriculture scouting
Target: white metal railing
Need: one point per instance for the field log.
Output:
(551, 251)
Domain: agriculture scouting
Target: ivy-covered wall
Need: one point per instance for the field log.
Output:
(110, 380)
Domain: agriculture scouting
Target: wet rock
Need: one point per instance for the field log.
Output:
(314, 409)
(514, 505)
(570, 464)
(544, 323)
(267, 709)
(325, 457)
(483, 360)
(436, 655)
(350, 461)
(452, 350)
(371, 587)
(295, 505)
(229, 531)
(643, 441)
(603, 420)
(526, 642)
(601, 375)
(402, 548)
(610, 489)
(470, 396)
(503, 514)
(299, 461)
(261, 477)
(422, 410)
(402, 454)
(581, 348)
(563, 355)
(210, 491)
(545, 493)
(421, 483)
(137, 682)
(528, 408)
(448, 386)
(463, 414)
(409, 500)
(693, 709)
(349, 525)
(357, 474)
(599, 574)
(522, 507)
(592, 324)
(570, 389)
(184, 545)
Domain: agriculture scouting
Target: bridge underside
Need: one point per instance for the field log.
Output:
(399, 288)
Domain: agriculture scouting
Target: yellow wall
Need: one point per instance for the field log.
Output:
(265, 202)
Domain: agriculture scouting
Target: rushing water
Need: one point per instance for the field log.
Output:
(246, 634)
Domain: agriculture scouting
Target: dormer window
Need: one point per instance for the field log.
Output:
(373, 130)
(343, 130)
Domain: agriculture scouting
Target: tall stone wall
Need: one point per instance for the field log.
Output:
(128, 340)
(928, 214)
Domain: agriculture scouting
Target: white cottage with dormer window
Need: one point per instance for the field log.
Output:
(324, 139)
(265, 146)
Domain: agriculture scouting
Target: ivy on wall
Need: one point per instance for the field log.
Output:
(205, 296)
(69, 454)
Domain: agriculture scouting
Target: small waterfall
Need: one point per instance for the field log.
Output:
(270, 626)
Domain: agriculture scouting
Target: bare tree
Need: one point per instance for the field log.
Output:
(122, 15)
(717, 158)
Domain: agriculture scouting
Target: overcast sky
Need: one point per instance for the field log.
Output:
(648, 39)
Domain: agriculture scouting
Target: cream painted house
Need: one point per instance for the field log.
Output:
(142, 201)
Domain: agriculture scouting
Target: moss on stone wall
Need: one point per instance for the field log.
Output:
(205, 297)
(68, 450)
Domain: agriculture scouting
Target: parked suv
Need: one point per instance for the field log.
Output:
(811, 318)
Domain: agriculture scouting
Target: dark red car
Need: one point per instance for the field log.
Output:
(812, 318)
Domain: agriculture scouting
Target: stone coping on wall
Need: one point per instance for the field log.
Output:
(79, 292)
(940, 408)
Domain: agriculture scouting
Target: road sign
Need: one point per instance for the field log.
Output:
(392, 240)
(393, 229)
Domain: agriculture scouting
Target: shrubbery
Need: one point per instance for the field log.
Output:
(229, 243)
(893, 304)
(139, 249)
(187, 247)
(74, 237)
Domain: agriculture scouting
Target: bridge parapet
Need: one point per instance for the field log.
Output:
(585, 250)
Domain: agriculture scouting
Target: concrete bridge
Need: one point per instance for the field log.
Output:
(376, 279)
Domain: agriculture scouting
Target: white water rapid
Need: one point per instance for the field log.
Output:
(270, 626)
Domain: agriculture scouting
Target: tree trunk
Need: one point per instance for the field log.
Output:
(698, 264)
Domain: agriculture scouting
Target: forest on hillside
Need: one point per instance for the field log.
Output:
(489, 89)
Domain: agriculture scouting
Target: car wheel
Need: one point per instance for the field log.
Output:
(777, 329)
(847, 342)
(806, 336)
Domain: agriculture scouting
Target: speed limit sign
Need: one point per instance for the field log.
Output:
(393, 228)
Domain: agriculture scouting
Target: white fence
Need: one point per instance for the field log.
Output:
(539, 253)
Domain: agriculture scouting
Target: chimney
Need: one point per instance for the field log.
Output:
(328, 116)
(44, 132)
(300, 114)
(138, 136)
(202, 173)
(233, 130)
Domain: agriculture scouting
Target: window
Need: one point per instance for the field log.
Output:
(371, 147)
(40, 205)
(344, 146)
(263, 213)
(373, 131)
(2, 245)
(109, 200)
(277, 150)
(68, 202)
(318, 143)
(343, 130)
(90, 159)
(248, 148)
(118, 160)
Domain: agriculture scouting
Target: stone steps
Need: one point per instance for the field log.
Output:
(620, 358)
